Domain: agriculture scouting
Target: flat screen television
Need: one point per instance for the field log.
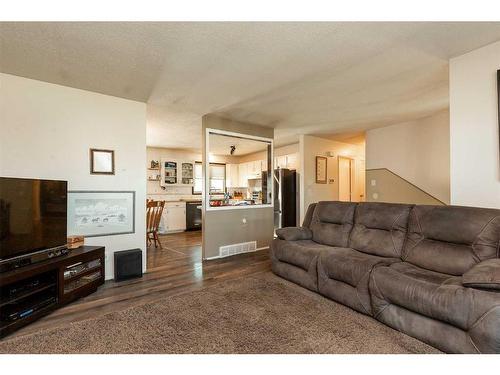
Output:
(33, 215)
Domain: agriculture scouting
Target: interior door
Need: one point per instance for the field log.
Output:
(360, 180)
(345, 180)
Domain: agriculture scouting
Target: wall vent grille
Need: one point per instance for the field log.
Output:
(237, 248)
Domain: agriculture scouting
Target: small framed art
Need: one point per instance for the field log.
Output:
(102, 161)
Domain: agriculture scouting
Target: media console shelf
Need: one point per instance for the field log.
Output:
(31, 292)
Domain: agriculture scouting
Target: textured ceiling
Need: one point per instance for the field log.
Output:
(313, 78)
(221, 145)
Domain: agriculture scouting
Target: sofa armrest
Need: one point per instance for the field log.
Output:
(294, 233)
(484, 275)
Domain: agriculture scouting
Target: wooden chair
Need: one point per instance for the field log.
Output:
(154, 210)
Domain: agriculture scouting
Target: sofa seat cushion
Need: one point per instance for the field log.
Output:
(299, 253)
(343, 276)
(351, 266)
(432, 294)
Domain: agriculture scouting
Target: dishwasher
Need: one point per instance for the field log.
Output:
(193, 215)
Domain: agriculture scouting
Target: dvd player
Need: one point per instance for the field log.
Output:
(17, 311)
(26, 260)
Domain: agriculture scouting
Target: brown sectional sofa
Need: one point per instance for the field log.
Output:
(432, 272)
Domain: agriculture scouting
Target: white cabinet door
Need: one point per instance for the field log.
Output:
(281, 161)
(232, 174)
(229, 180)
(258, 167)
(254, 169)
(250, 168)
(291, 161)
(186, 177)
(243, 175)
(263, 165)
(175, 217)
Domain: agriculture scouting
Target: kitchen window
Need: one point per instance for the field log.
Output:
(217, 178)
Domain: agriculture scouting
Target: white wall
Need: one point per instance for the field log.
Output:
(309, 148)
(475, 169)
(46, 131)
(418, 151)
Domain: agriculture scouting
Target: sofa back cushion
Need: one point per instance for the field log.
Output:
(451, 239)
(380, 228)
(309, 215)
(331, 223)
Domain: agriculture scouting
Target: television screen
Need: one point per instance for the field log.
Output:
(32, 215)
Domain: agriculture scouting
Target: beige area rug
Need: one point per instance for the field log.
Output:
(258, 314)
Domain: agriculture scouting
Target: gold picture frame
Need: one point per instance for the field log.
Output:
(321, 169)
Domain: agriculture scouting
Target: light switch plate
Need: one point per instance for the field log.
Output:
(373, 182)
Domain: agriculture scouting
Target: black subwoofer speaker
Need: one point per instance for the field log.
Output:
(128, 264)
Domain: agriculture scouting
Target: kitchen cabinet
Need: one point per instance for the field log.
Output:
(232, 176)
(174, 216)
(292, 161)
(263, 165)
(243, 175)
(289, 161)
(280, 161)
(176, 172)
(251, 170)
(254, 169)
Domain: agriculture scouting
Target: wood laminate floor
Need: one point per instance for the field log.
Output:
(175, 268)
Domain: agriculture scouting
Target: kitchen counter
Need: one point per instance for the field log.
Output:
(173, 198)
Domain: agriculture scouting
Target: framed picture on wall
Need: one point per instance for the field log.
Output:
(102, 161)
(498, 100)
(101, 213)
(321, 169)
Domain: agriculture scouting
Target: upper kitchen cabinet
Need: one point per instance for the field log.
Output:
(168, 170)
(292, 161)
(280, 161)
(187, 173)
(176, 172)
(232, 176)
(254, 169)
(243, 175)
(263, 165)
(289, 161)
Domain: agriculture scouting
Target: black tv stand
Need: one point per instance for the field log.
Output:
(30, 292)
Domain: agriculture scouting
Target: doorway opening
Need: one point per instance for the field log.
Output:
(172, 179)
(351, 179)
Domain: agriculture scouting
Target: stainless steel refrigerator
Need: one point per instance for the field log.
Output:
(285, 198)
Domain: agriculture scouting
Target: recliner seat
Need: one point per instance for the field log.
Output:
(442, 244)
(376, 238)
